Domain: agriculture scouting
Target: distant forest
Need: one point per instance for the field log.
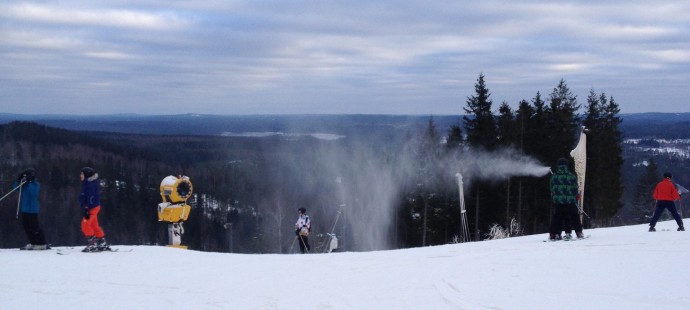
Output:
(389, 185)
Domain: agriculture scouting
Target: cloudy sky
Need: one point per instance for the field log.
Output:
(369, 57)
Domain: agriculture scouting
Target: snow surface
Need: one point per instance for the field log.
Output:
(617, 268)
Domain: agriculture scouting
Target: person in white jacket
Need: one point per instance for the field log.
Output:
(302, 228)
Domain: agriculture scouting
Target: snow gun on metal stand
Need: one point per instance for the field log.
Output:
(174, 208)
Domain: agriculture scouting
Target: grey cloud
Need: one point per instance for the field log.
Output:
(396, 57)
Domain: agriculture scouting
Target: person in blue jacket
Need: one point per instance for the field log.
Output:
(30, 208)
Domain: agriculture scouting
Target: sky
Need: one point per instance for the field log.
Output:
(615, 268)
(336, 57)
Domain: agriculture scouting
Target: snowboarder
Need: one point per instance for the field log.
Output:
(665, 193)
(30, 208)
(302, 229)
(564, 193)
(90, 203)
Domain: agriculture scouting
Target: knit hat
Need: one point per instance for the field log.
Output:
(562, 162)
(88, 172)
(302, 210)
(29, 174)
(668, 175)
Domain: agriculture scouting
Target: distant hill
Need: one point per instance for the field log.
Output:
(656, 125)
(638, 125)
(214, 125)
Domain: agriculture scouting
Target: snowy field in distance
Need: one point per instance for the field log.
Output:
(617, 268)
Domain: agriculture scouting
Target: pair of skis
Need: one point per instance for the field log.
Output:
(63, 251)
(571, 239)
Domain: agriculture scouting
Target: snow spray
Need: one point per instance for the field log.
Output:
(361, 183)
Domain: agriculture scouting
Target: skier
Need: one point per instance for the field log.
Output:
(302, 229)
(564, 193)
(29, 208)
(665, 193)
(90, 202)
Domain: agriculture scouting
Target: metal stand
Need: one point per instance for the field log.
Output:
(464, 227)
(175, 232)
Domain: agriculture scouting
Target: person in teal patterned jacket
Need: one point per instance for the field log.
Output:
(564, 194)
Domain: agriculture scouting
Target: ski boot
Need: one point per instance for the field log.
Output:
(651, 228)
(681, 228)
(554, 237)
(101, 245)
(90, 245)
(568, 237)
(580, 235)
(40, 247)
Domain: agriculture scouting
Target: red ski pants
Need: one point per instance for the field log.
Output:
(90, 226)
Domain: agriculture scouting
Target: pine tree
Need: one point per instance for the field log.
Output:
(562, 122)
(506, 126)
(644, 202)
(454, 139)
(482, 133)
(480, 124)
(604, 160)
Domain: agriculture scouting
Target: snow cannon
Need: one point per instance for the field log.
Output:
(174, 209)
(174, 192)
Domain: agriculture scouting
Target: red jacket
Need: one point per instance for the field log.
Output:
(665, 190)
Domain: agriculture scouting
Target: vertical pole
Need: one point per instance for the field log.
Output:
(477, 237)
(464, 229)
(19, 199)
(508, 206)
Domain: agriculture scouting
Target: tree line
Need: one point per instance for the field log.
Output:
(247, 189)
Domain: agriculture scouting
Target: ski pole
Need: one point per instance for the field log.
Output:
(293, 244)
(19, 201)
(303, 244)
(14, 189)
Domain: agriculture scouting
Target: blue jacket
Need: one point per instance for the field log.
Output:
(29, 198)
(90, 196)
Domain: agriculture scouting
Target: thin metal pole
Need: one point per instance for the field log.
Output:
(19, 199)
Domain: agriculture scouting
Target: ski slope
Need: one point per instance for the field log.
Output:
(617, 268)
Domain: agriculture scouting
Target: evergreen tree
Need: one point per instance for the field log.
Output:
(427, 158)
(562, 122)
(454, 139)
(524, 123)
(643, 203)
(506, 126)
(480, 124)
(603, 190)
(480, 127)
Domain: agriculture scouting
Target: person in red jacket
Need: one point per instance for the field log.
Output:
(665, 194)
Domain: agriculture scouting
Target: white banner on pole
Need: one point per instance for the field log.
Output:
(579, 154)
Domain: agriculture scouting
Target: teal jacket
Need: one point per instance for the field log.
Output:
(563, 186)
(29, 202)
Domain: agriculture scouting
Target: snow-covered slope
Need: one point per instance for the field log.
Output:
(617, 268)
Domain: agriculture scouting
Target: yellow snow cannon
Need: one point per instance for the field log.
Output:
(175, 192)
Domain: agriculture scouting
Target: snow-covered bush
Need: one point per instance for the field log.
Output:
(498, 232)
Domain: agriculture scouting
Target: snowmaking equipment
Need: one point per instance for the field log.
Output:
(579, 154)
(174, 209)
(464, 227)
